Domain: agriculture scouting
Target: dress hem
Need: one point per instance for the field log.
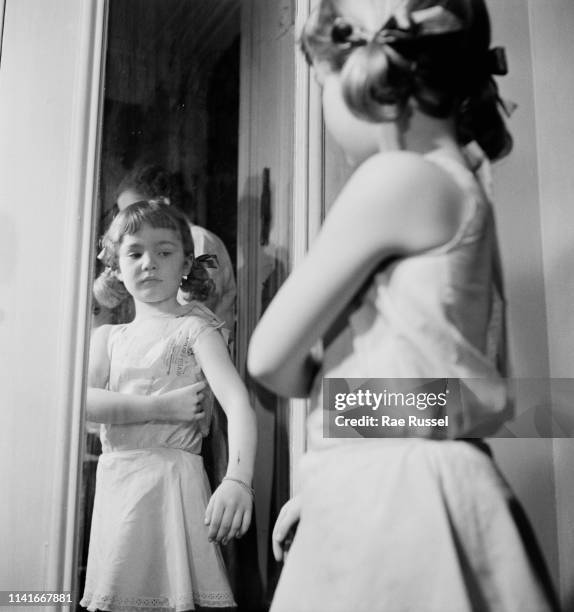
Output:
(110, 603)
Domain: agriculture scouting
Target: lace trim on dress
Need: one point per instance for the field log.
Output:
(188, 601)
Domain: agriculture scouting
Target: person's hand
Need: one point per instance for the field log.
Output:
(285, 526)
(182, 404)
(229, 511)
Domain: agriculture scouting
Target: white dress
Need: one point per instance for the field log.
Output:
(149, 549)
(417, 524)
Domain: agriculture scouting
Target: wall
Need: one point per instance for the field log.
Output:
(528, 463)
(553, 47)
(47, 98)
(536, 220)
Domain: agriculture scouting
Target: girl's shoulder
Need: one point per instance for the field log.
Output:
(198, 310)
(104, 336)
(405, 200)
(101, 334)
(99, 363)
(198, 319)
(402, 172)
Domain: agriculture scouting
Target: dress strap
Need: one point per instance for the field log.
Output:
(480, 166)
(477, 166)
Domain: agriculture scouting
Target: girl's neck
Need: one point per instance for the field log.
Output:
(166, 309)
(422, 134)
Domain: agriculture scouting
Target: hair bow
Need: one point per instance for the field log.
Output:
(401, 26)
(207, 261)
(404, 28)
(409, 27)
(496, 61)
(495, 64)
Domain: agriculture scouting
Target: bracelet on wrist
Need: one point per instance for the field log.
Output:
(243, 484)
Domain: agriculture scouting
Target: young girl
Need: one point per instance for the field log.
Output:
(153, 182)
(155, 527)
(408, 287)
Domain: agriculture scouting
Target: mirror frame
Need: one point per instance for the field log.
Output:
(61, 558)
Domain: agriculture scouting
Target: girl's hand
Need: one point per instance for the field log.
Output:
(284, 526)
(228, 513)
(182, 404)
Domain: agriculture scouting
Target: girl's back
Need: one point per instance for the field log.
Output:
(428, 315)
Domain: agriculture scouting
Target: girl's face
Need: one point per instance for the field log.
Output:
(358, 138)
(152, 264)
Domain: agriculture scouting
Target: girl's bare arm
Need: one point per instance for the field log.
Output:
(226, 384)
(229, 511)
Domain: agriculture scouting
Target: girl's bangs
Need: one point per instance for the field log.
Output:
(134, 217)
(137, 215)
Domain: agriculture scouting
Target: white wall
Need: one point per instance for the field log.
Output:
(534, 188)
(552, 25)
(46, 175)
(528, 463)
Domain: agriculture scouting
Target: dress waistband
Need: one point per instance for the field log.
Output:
(479, 444)
(148, 449)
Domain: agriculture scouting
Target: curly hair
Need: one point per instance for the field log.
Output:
(129, 221)
(446, 75)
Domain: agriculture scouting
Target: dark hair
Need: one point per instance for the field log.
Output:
(151, 181)
(129, 221)
(446, 74)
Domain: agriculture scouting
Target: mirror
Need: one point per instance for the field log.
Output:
(171, 97)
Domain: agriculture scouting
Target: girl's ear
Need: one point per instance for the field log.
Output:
(187, 265)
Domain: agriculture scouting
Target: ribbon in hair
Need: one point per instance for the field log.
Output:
(401, 26)
(507, 106)
(405, 27)
(496, 61)
(496, 64)
(199, 281)
(207, 261)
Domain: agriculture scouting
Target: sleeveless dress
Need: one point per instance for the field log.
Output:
(416, 524)
(149, 549)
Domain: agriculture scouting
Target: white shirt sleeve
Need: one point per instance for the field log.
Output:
(223, 301)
